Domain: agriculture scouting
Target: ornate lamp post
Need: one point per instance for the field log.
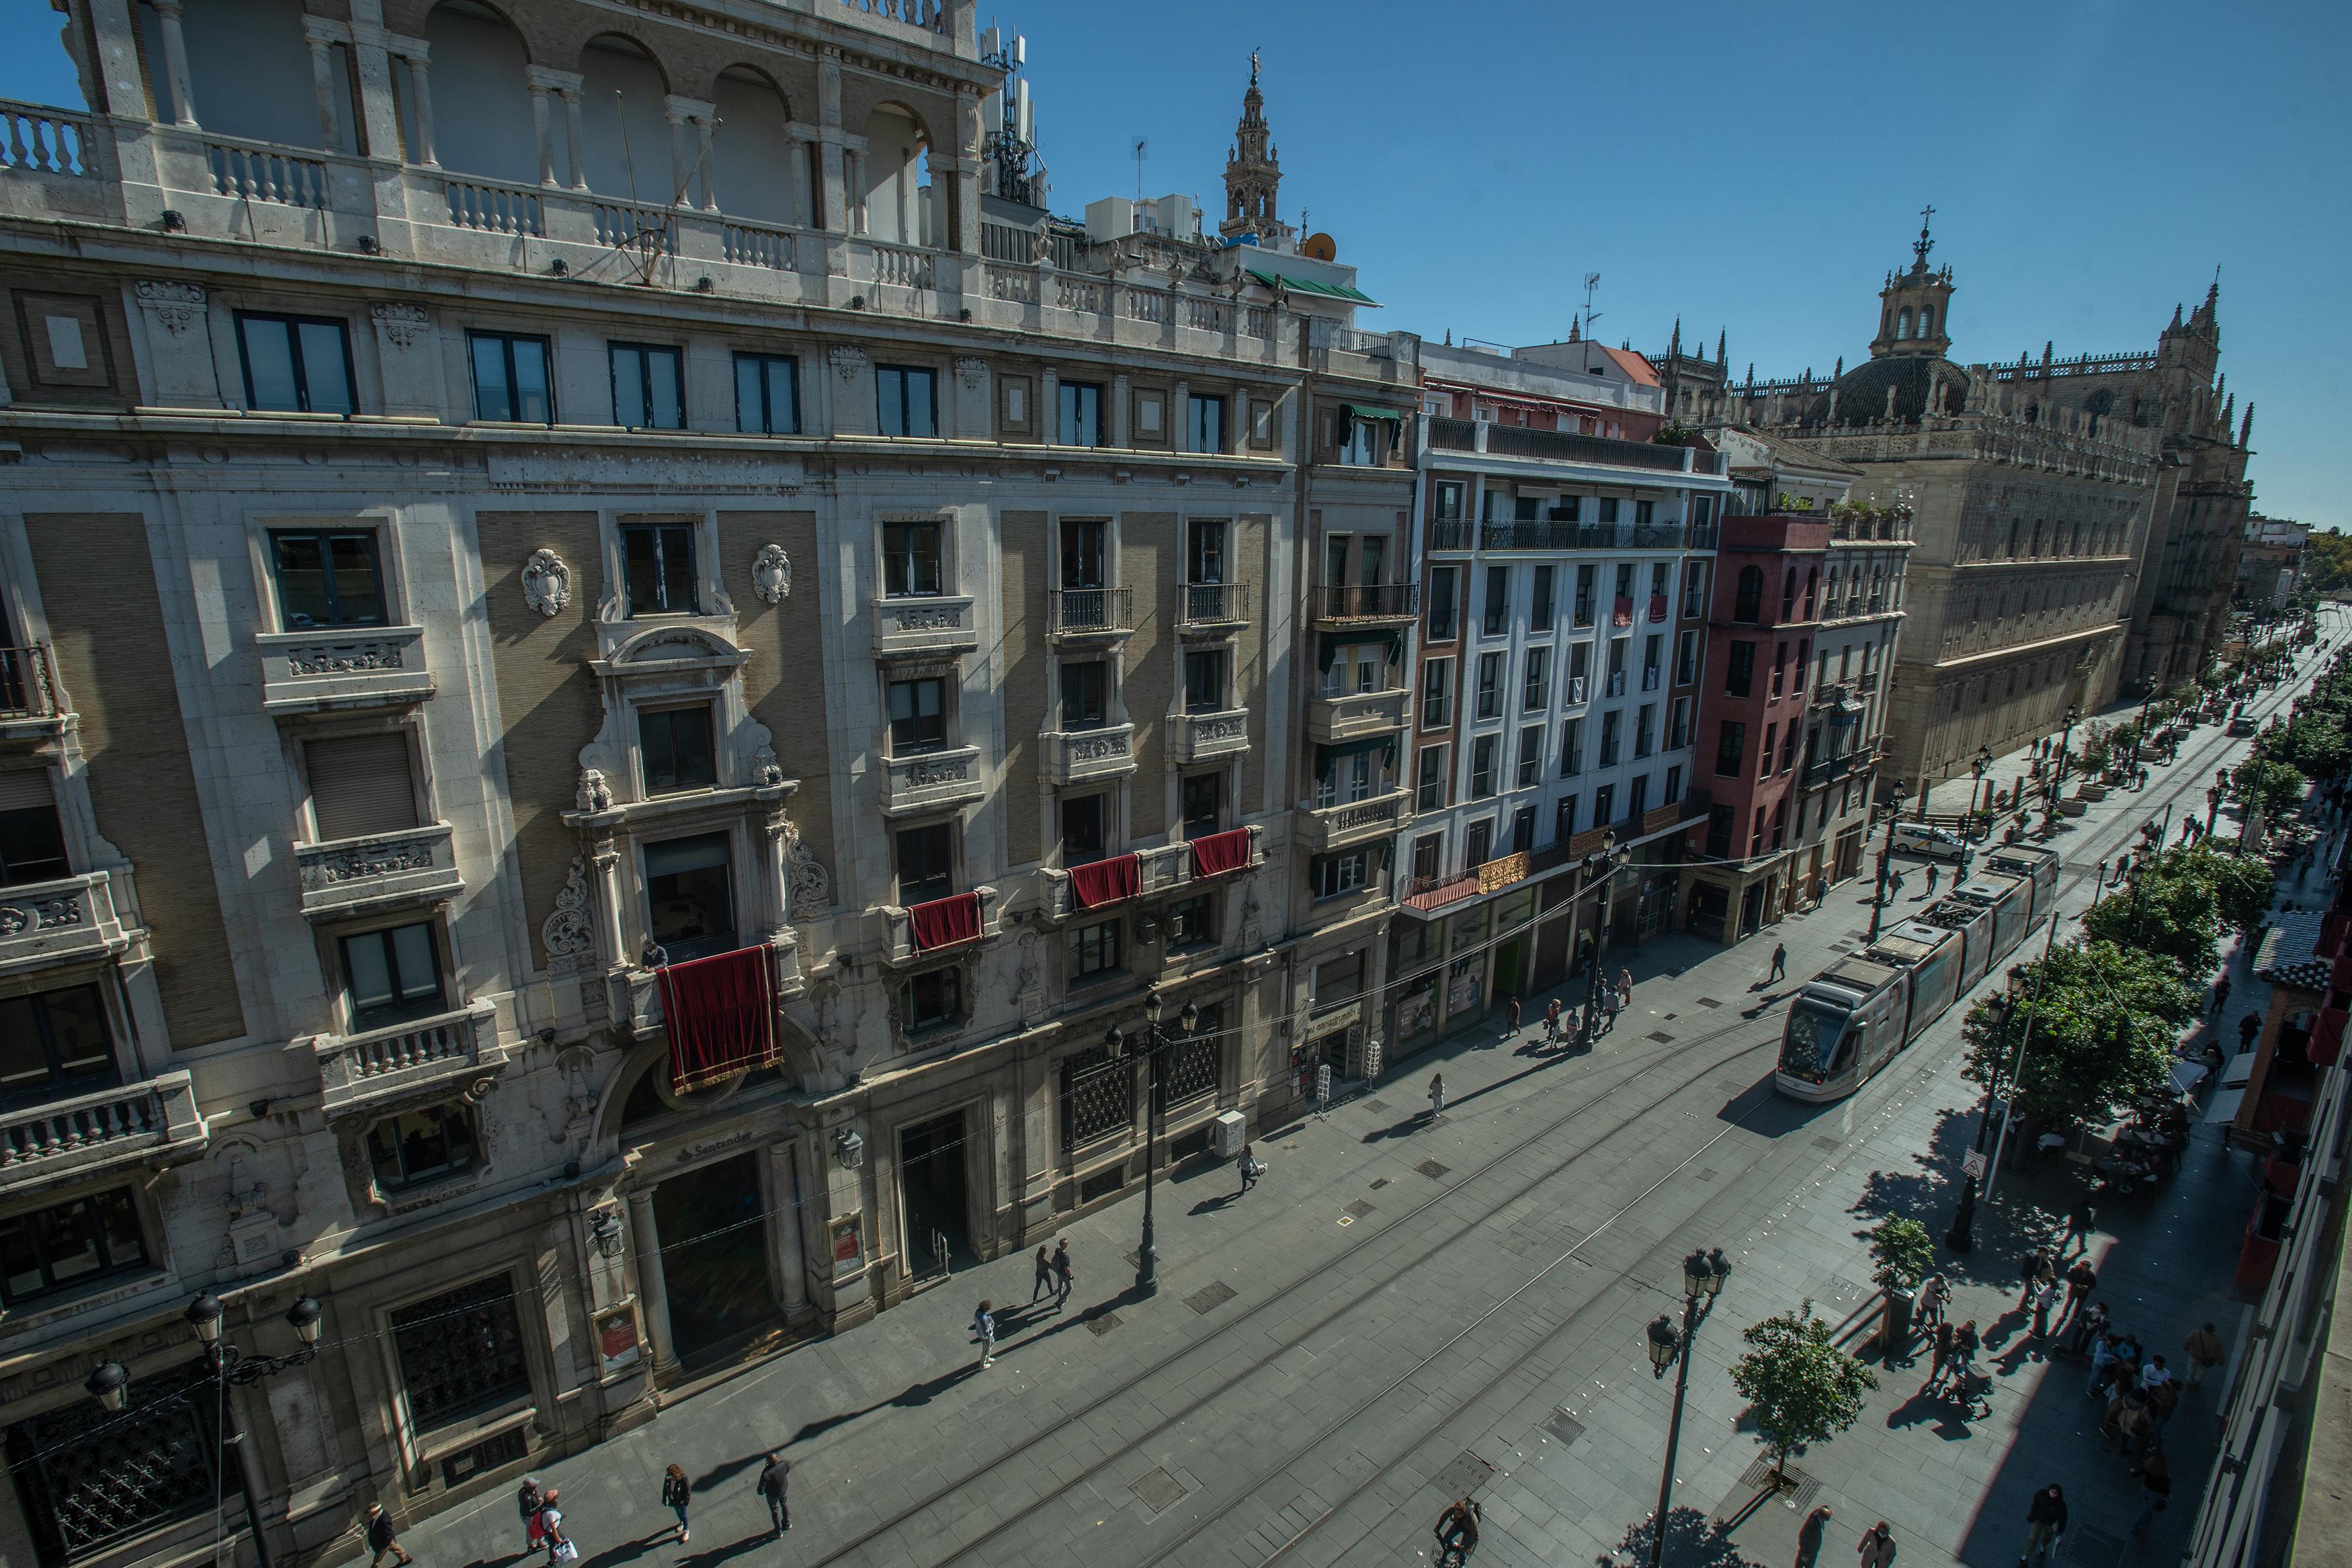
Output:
(1893, 814)
(1615, 860)
(2212, 806)
(109, 1384)
(1702, 1277)
(1155, 1041)
(2073, 716)
(1980, 767)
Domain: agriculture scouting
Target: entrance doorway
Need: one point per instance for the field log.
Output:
(714, 1235)
(1510, 965)
(1751, 909)
(934, 1195)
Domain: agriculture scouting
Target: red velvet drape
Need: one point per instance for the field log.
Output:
(1106, 882)
(944, 922)
(721, 1015)
(1220, 852)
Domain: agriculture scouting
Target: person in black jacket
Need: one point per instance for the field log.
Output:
(2045, 1522)
(383, 1537)
(676, 1493)
(775, 1485)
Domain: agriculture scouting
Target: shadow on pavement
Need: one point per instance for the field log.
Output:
(1693, 1540)
(1759, 1110)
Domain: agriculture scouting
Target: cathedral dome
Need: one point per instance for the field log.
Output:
(1862, 390)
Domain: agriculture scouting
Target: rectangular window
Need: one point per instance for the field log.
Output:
(1086, 829)
(1192, 922)
(1442, 592)
(690, 897)
(1535, 681)
(1081, 414)
(1610, 725)
(1482, 768)
(390, 977)
(1678, 725)
(1604, 807)
(1437, 693)
(1539, 606)
(1730, 742)
(67, 1246)
(52, 1042)
(675, 744)
(327, 578)
(767, 394)
(1498, 601)
(1779, 670)
(1085, 552)
(1204, 804)
(1653, 657)
(1637, 797)
(1478, 844)
(1645, 724)
(360, 785)
(1085, 695)
(1586, 579)
(1344, 872)
(1204, 680)
(1695, 583)
(919, 717)
(658, 558)
(1359, 445)
(648, 387)
(1447, 502)
(461, 1352)
(933, 1000)
(296, 364)
(32, 842)
(429, 1144)
(1739, 675)
(1687, 657)
(910, 560)
(1764, 752)
(1490, 686)
(906, 399)
(1608, 509)
(1789, 748)
(1205, 424)
(1563, 820)
(1571, 749)
(1204, 550)
(1428, 857)
(1094, 950)
(1429, 787)
(512, 385)
(1673, 795)
(1530, 767)
(926, 868)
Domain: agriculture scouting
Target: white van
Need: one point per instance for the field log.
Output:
(1922, 839)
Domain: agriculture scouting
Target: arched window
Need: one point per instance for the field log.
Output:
(1812, 580)
(1903, 323)
(1926, 321)
(2015, 529)
(1788, 594)
(1748, 605)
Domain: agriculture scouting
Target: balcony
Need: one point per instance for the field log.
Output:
(633, 993)
(379, 1066)
(1425, 895)
(1072, 757)
(1837, 768)
(60, 921)
(1623, 614)
(1077, 613)
(1202, 735)
(1354, 715)
(347, 876)
(1213, 606)
(1659, 608)
(898, 945)
(1567, 446)
(1368, 603)
(1324, 828)
(931, 779)
(143, 1125)
(321, 671)
(1453, 534)
(1564, 536)
(28, 694)
(1158, 869)
(929, 626)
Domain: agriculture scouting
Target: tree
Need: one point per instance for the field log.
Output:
(2273, 787)
(2327, 563)
(2168, 909)
(1801, 1388)
(1903, 1250)
(2103, 1025)
(1674, 432)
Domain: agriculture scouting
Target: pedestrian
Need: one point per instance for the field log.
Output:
(2248, 1028)
(1612, 1004)
(775, 1484)
(1552, 1022)
(560, 1547)
(1932, 872)
(1780, 963)
(1809, 1536)
(1584, 953)
(2081, 1280)
(527, 1501)
(1877, 1547)
(1457, 1530)
(1436, 1095)
(1511, 1013)
(1625, 988)
(1895, 890)
(1042, 1272)
(383, 1537)
(1934, 1292)
(2080, 1219)
(676, 1493)
(2163, 1399)
(2205, 1352)
(2045, 1297)
(2127, 1421)
(1941, 1355)
(2028, 1273)
(2045, 1522)
(2155, 1374)
(2090, 1326)
(1065, 1276)
(2220, 995)
(1962, 1366)
(2155, 1490)
(1250, 1167)
(983, 1329)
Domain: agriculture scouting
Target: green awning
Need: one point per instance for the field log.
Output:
(1310, 286)
(1357, 411)
(1328, 756)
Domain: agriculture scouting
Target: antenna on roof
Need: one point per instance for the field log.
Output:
(1140, 143)
(1591, 282)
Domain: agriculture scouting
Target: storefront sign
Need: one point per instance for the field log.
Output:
(617, 1340)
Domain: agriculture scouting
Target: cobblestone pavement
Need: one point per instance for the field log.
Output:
(1407, 1309)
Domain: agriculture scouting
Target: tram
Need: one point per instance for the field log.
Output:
(1853, 1018)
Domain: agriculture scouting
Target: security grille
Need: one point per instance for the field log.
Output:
(90, 1480)
(1188, 1070)
(1097, 1096)
(461, 1351)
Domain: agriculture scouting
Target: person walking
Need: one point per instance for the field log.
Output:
(775, 1484)
(1042, 1275)
(2205, 1352)
(1612, 1004)
(1436, 1095)
(1780, 963)
(2090, 1327)
(1250, 1166)
(1457, 1530)
(1934, 1294)
(1552, 1022)
(1962, 1366)
(1511, 1015)
(2046, 1298)
(2248, 1028)
(528, 1502)
(383, 1537)
(1941, 1355)
(1877, 1547)
(2029, 1274)
(2046, 1523)
(2155, 1490)
(983, 1329)
(1065, 1276)
(2220, 995)
(676, 1493)
(1809, 1536)
(2081, 1280)
(560, 1547)
(1932, 872)
(1625, 988)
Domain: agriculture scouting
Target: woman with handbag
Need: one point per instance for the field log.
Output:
(559, 1547)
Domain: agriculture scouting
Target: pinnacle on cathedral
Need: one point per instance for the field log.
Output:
(1253, 170)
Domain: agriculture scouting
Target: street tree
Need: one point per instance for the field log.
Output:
(1903, 1252)
(1801, 1388)
(2273, 787)
(2169, 907)
(2102, 1024)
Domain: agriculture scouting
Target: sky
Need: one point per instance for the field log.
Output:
(1753, 170)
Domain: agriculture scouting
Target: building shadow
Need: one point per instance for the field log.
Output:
(1693, 1540)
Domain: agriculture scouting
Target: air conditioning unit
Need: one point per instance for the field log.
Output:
(1228, 1132)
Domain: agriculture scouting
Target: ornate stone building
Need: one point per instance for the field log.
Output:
(586, 767)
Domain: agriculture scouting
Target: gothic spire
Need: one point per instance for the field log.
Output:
(1253, 170)
(1719, 358)
(2246, 431)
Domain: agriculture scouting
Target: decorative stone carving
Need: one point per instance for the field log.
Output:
(808, 888)
(546, 582)
(363, 861)
(924, 774)
(1041, 249)
(1029, 978)
(569, 939)
(772, 574)
(849, 363)
(342, 658)
(945, 618)
(176, 306)
(48, 914)
(766, 773)
(1226, 727)
(1096, 748)
(402, 324)
(972, 371)
(595, 795)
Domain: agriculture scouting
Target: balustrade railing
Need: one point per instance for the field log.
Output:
(259, 173)
(1451, 533)
(1208, 315)
(1372, 601)
(26, 687)
(1078, 294)
(929, 14)
(1017, 284)
(130, 1119)
(1082, 610)
(495, 208)
(1215, 603)
(620, 223)
(393, 1059)
(43, 140)
(1151, 305)
(757, 245)
(1258, 321)
(902, 267)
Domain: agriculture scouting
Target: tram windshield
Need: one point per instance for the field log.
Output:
(1817, 1042)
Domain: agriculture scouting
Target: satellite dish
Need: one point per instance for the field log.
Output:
(1319, 247)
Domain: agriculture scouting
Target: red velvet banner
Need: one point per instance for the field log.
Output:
(945, 922)
(1220, 852)
(1106, 882)
(720, 1012)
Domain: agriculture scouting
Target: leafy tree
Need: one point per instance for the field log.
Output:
(1801, 1388)
(2168, 908)
(1674, 432)
(2327, 563)
(2275, 787)
(2103, 1027)
(1903, 1250)
(2243, 887)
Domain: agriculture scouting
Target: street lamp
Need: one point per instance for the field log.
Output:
(1155, 1110)
(2073, 716)
(2212, 807)
(1702, 1277)
(1894, 793)
(1616, 860)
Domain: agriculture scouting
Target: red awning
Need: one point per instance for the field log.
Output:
(1106, 881)
(945, 922)
(1220, 852)
(722, 1016)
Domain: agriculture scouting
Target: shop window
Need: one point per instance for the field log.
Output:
(511, 380)
(327, 577)
(689, 896)
(932, 1000)
(360, 786)
(88, 1484)
(1095, 950)
(658, 562)
(676, 747)
(910, 560)
(907, 399)
(426, 1144)
(70, 1246)
(460, 1353)
(391, 975)
(296, 364)
(767, 394)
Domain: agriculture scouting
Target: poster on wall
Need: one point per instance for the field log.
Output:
(1462, 992)
(848, 1246)
(1417, 1012)
(617, 1340)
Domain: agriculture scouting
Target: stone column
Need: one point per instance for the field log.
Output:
(575, 140)
(653, 1288)
(797, 205)
(704, 124)
(609, 935)
(322, 80)
(681, 180)
(542, 135)
(835, 218)
(425, 155)
(175, 64)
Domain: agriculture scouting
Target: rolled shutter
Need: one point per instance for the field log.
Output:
(24, 791)
(361, 785)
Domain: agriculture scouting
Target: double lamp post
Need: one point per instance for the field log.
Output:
(1155, 1041)
(1703, 1276)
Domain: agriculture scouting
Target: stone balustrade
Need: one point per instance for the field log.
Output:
(932, 780)
(346, 875)
(380, 1065)
(1202, 735)
(68, 921)
(343, 667)
(927, 626)
(147, 1123)
(1071, 757)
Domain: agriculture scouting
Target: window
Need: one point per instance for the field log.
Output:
(53, 1043)
(689, 896)
(932, 1000)
(461, 1352)
(1531, 769)
(1097, 1097)
(1739, 675)
(910, 560)
(1719, 824)
(32, 844)
(907, 400)
(1490, 686)
(1789, 748)
(391, 975)
(1539, 605)
(360, 785)
(925, 868)
(1608, 509)
(1085, 828)
(1204, 804)
(1780, 669)
(1332, 875)
(658, 561)
(1094, 950)
(1359, 446)
(1083, 546)
(1204, 424)
(1081, 414)
(1687, 657)
(1437, 693)
(1644, 723)
(327, 578)
(421, 1145)
(918, 720)
(1654, 650)
(767, 394)
(1428, 856)
(676, 747)
(1805, 656)
(1535, 682)
(1678, 725)
(1478, 844)
(1429, 788)
(1764, 752)
(44, 1252)
(1586, 578)
(648, 387)
(1610, 723)
(1446, 505)
(1563, 820)
(1192, 922)
(1443, 591)
(1748, 604)
(1605, 805)
(1204, 680)
(1642, 513)
(1204, 550)
(1482, 768)
(1571, 749)
(510, 379)
(1731, 741)
(1637, 797)
(1579, 665)
(1673, 792)
(296, 364)
(1085, 695)
(1498, 601)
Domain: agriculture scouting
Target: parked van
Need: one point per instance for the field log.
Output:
(1923, 839)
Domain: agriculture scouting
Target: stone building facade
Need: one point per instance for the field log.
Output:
(588, 769)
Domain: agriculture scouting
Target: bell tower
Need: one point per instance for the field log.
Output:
(1912, 308)
(1253, 171)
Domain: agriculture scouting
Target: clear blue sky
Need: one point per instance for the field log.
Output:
(1754, 169)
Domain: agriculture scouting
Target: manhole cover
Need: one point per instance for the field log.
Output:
(1380, 1183)
(1564, 1427)
(1708, 1002)
(1431, 1169)
(1707, 1175)
(1463, 1476)
(2089, 1543)
(1825, 1142)
(1661, 1036)
(1376, 1104)
(1103, 1324)
(1210, 1297)
(1158, 1488)
(1361, 1208)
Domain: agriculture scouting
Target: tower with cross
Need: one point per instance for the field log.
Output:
(1913, 304)
(1252, 172)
